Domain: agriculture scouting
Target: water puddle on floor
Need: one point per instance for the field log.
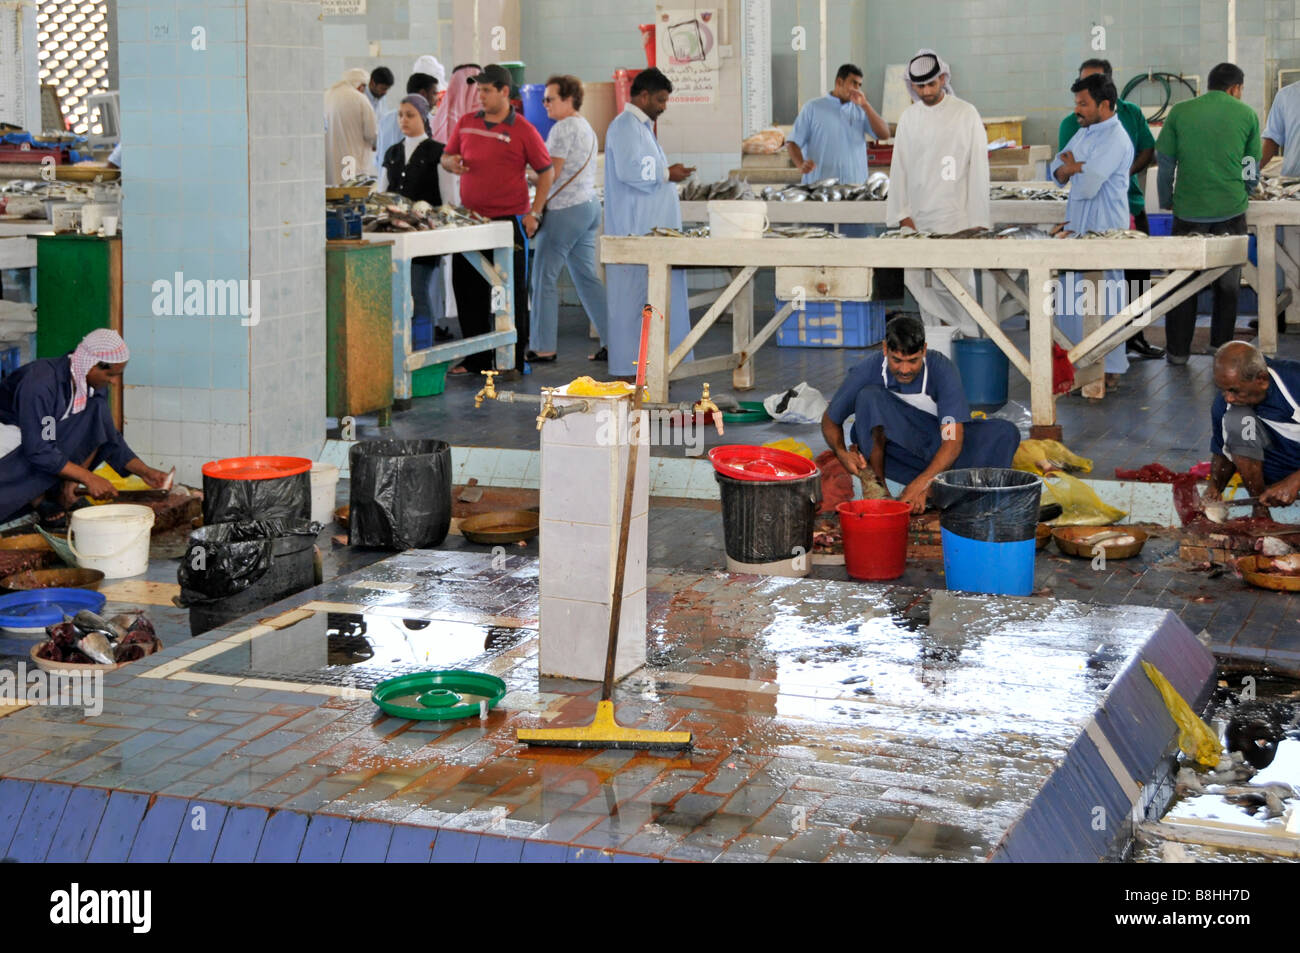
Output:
(363, 649)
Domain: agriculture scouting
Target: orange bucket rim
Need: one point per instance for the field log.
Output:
(256, 468)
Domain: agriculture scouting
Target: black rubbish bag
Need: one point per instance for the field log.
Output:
(400, 493)
(225, 559)
(232, 501)
(988, 504)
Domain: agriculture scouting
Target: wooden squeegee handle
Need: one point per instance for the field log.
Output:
(625, 522)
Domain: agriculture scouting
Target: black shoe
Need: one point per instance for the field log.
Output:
(534, 358)
(601, 355)
(1143, 348)
(442, 335)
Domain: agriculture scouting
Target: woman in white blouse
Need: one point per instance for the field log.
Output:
(568, 236)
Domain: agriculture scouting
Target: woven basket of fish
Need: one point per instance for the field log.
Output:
(88, 642)
(1116, 542)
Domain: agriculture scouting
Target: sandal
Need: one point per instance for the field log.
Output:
(534, 358)
(458, 371)
(601, 355)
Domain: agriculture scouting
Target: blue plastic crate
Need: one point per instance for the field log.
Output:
(833, 324)
(421, 332)
(1160, 223)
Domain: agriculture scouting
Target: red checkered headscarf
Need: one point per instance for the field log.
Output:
(100, 345)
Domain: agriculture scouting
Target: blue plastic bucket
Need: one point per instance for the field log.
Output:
(1160, 223)
(985, 372)
(1003, 569)
(534, 109)
(988, 523)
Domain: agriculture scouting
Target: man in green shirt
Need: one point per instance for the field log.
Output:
(1144, 150)
(1212, 142)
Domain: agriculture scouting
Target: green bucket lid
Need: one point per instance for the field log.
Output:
(438, 696)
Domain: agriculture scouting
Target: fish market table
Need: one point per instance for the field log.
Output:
(1265, 218)
(1194, 260)
(1004, 211)
(473, 241)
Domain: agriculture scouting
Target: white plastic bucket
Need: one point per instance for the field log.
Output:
(324, 484)
(737, 219)
(938, 337)
(113, 539)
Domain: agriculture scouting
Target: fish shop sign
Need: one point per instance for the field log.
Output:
(78, 906)
(66, 688)
(212, 298)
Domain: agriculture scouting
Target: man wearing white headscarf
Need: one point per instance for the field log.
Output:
(938, 179)
(430, 66)
(350, 128)
(56, 427)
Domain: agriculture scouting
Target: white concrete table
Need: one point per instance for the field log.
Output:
(472, 241)
(1196, 261)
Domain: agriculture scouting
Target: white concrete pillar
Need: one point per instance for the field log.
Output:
(584, 471)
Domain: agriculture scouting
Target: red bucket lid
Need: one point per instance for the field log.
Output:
(760, 464)
(256, 468)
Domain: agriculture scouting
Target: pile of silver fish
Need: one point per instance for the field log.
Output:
(1231, 779)
(875, 189)
(390, 212)
(1002, 192)
(800, 231)
(357, 181)
(1013, 231)
(731, 187)
(699, 231)
(1274, 189)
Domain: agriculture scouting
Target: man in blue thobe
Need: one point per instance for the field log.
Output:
(640, 194)
(1095, 162)
(56, 426)
(829, 135)
(911, 419)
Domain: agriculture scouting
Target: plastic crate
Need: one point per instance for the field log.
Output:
(421, 333)
(833, 324)
(429, 381)
(1160, 223)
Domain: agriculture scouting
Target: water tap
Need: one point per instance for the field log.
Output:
(548, 408)
(489, 390)
(705, 405)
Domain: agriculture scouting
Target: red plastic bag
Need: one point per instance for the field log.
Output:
(1062, 370)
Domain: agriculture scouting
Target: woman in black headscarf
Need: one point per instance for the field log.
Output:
(410, 168)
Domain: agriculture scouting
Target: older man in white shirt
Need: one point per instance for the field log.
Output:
(350, 128)
(938, 179)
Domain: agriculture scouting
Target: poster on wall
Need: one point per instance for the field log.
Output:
(687, 53)
(342, 8)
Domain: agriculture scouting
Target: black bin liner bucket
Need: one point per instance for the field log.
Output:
(763, 521)
(400, 493)
(256, 488)
(989, 504)
(231, 569)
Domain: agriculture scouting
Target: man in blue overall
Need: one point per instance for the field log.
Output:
(910, 406)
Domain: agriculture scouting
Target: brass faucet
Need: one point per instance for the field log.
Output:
(548, 408)
(705, 405)
(489, 390)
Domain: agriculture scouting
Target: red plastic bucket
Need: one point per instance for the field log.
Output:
(648, 41)
(875, 537)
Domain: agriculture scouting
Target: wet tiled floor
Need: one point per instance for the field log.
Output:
(831, 721)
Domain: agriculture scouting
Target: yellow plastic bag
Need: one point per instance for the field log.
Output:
(590, 387)
(1195, 738)
(1080, 505)
(1048, 456)
(790, 445)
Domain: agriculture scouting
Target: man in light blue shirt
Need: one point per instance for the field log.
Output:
(640, 194)
(828, 139)
(1282, 131)
(1095, 163)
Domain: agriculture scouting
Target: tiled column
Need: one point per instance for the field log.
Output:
(584, 471)
(199, 385)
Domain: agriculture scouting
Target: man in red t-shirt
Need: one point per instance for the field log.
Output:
(489, 151)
